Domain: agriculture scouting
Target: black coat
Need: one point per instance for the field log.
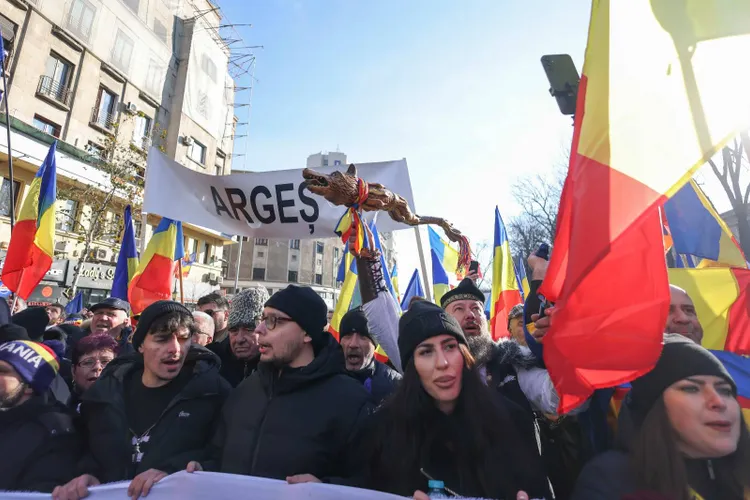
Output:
(232, 369)
(176, 439)
(300, 421)
(40, 446)
(379, 380)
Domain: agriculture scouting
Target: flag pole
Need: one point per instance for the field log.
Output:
(7, 129)
(182, 291)
(427, 289)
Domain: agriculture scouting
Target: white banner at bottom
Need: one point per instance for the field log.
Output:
(216, 486)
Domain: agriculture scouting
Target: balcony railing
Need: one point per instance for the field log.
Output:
(53, 89)
(103, 119)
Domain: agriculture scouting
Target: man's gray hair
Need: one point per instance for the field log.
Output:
(208, 321)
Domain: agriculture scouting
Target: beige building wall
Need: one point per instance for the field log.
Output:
(148, 79)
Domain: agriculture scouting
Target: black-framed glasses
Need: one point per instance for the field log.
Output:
(272, 321)
(91, 362)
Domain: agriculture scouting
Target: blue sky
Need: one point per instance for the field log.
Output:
(456, 88)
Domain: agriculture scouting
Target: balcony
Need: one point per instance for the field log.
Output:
(54, 92)
(103, 120)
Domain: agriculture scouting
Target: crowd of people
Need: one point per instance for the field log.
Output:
(260, 387)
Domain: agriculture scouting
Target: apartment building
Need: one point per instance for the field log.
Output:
(129, 73)
(275, 263)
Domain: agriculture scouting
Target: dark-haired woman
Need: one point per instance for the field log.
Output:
(689, 442)
(444, 423)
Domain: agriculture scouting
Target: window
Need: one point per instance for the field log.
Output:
(319, 247)
(261, 254)
(5, 198)
(294, 244)
(154, 76)
(66, 215)
(203, 104)
(197, 152)
(259, 273)
(55, 82)
(261, 241)
(336, 253)
(325, 161)
(46, 126)
(133, 5)
(160, 30)
(208, 67)
(122, 51)
(337, 162)
(8, 28)
(292, 277)
(137, 226)
(206, 253)
(318, 279)
(220, 162)
(81, 18)
(141, 131)
(105, 109)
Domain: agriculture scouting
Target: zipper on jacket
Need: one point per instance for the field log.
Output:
(260, 429)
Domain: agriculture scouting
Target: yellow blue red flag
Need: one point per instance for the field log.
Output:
(505, 289)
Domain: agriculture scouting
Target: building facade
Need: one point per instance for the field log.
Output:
(108, 79)
(276, 263)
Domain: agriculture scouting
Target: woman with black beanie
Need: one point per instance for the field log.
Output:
(690, 441)
(444, 423)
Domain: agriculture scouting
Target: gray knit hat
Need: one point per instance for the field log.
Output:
(246, 306)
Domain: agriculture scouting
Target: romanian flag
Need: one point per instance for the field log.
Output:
(698, 230)
(505, 290)
(32, 243)
(440, 282)
(394, 281)
(153, 279)
(523, 281)
(654, 104)
(127, 260)
(348, 275)
(414, 289)
(187, 264)
(447, 255)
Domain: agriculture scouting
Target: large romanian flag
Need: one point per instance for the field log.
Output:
(32, 244)
(654, 104)
(505, 289)
(154, 278)
(127, 260)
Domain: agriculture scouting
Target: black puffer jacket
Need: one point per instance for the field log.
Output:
(179, 436)
(378, 379)
(294, 422)
(40, 446)
(232, 369)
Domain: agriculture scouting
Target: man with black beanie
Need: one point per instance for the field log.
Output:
(153, 411)
(299, 411)
(359, 352)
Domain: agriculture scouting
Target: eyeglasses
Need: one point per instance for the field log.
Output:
(91, 362)
(272, 321)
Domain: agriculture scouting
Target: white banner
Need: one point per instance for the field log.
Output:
(262, 204)
(203, 485)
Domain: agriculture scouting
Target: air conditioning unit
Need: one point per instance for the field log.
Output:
(206, 278)
(212, 277)
(187, 140)
(61, 246)
(219, 280)
(131, 108)
(98, 254)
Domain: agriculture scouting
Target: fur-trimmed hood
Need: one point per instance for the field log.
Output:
(510, 351)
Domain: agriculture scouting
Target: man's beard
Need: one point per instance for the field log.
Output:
(12, 399)
(482, 347)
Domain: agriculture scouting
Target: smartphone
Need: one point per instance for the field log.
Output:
(543, 251)
(543, 305)
(474, 267)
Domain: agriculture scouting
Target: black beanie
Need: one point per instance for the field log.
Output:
(305, 307)
(422, 321)
(11, 332)
(151, 314)
(355, 321)
(34, 319)
(680, 358)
